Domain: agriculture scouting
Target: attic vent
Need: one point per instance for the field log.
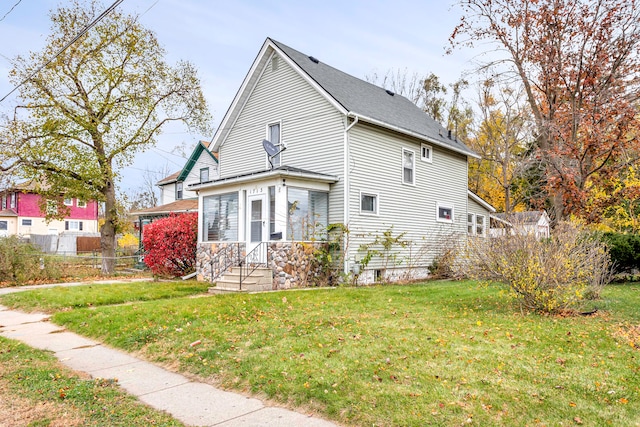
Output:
(314, 60)
(389, 92)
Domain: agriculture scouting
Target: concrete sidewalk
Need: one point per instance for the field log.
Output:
(193, 403)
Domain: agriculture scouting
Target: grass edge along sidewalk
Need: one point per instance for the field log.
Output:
(36, 390)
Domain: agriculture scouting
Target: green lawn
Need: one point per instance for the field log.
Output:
(439, 353)
(35, 390)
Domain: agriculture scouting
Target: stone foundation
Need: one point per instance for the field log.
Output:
(205, 254)
(293, 264)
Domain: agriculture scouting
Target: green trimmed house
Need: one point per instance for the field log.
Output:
(339, 150)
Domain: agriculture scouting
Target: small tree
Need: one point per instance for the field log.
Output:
(170, 244)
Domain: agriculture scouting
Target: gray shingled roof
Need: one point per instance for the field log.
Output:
(365, 99)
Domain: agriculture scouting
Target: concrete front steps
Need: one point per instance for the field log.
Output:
(260, 280)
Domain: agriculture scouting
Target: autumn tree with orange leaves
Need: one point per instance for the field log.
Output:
(579, 64)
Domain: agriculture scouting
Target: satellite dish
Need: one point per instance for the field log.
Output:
(271, 149)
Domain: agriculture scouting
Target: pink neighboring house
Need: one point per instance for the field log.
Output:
(20, 214)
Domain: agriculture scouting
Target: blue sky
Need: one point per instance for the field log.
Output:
(222, 39)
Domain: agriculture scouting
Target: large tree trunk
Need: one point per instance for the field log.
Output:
(108, 230)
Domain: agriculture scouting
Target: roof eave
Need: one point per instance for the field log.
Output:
(481, 201)
(329, 179)
(412, 134)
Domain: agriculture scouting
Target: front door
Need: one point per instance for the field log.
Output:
(256, 228)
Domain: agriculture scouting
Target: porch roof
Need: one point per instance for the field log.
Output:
(179, 206)
(279, 172)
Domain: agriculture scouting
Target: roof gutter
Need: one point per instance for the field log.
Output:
(413, 134)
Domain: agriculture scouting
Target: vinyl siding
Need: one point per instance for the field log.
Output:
(376, 167)
(204, 161)
(311, 127)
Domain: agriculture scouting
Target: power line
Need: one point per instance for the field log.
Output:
(10, 10)
(65, 47)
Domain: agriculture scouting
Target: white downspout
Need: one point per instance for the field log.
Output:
(347, 180)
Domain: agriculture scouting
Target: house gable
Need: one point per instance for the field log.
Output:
(200, 157)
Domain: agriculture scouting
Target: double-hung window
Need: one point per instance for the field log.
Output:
(179, 190)
(273, 136)
(471, 224)
(408, 167)
(480, 225)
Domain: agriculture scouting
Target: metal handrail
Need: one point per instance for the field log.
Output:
(229, 260)
(253, 260)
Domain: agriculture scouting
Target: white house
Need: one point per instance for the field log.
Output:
(529, 222)
(175, 196)
(353, 154)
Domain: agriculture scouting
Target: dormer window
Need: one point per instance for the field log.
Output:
(179, 190)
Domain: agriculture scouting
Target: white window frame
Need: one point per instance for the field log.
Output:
(278, 145)
(12, 200)
(445, 206)
(413, 166)
(73, 225)
(204, 170)
(429, 158)
(376, 203)
(68, 201)
(471, 223)
(483, 224)
(81, 203)
(179, 190)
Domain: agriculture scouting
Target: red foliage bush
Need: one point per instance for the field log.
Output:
(170, 244)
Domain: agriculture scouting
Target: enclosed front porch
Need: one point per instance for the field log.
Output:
(263, 231)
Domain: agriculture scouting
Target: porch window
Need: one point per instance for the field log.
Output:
(4, 225)
(272, 210)
(308, 214)
(27, 222)
(220, 217)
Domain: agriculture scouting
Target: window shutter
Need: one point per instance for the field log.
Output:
(66, 225)
(80, 225)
